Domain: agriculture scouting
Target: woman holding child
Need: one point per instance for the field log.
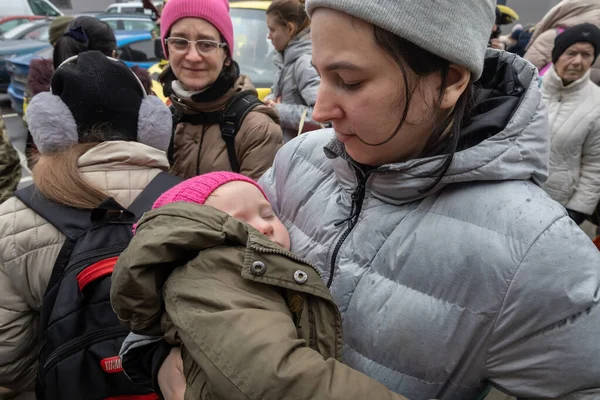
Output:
(451, 268)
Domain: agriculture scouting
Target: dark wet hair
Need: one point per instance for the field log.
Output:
(290, 11)
(83, 34)
(445, 137)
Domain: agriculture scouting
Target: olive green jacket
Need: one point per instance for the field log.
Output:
(10, 167)
(234, 298)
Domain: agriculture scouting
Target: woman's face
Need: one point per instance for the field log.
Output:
(194, 70)
(280, 35)
(575, 62)
(362, 92)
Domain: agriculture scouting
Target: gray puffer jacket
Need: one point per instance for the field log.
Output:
(484, 279)
(296, 82)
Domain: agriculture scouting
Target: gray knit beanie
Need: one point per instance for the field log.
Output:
(456, 30)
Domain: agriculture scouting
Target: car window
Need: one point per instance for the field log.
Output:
(42, 8)
(8, 25)
(112, 10)
(132, 10)
(40, 33)
(138, 51)
(252, 50)
(18, 31)
(113, 23)
(138, 25)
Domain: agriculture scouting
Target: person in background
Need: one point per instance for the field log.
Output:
(71, 37)
(565, 14)
(201, 80)
(296, 82)
(422, 210)
(40, 74)
(573, 102)
(10, 165)
(521, 43)
(41, 69)
(510, 40)
(99, 136)
(495, 40)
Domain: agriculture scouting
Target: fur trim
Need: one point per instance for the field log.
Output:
(51, 123)
(155, 123)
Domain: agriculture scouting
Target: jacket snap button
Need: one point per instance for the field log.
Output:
(300, 277)
(258, 268)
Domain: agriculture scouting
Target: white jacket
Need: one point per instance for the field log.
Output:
(574, 113)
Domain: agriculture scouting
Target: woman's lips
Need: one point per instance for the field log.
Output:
(343, 137)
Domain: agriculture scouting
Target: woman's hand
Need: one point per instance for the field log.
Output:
(170, 376)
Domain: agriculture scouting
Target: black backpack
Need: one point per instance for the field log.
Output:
(230, 120)
(80, 333)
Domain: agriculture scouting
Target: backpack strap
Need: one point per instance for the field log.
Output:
(160, 184)
(71, 222)
(236, 110)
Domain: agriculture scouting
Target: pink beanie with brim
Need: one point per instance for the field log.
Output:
(214, 11)
(199, 188)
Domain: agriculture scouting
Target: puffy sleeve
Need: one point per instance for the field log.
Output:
(545, 339)
(587, 192)
(307, 81)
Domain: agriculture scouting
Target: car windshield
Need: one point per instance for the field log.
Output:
(252, 50)
(18, 31)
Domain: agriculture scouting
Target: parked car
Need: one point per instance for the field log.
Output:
(8, 23)
(30, 30)
(18, 68)
(130, 8)
(29, 7)
(128, 45)
(21, 40)
(137, 49)
(128, 22)
(252, 50)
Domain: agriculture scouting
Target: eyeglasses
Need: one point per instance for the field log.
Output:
(203, 46)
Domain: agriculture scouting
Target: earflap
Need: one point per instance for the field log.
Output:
(155, 123)
(51, 123)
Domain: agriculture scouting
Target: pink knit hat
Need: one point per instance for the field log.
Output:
(214, 11)
(199, 188)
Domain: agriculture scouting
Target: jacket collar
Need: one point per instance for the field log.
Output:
(188, 106)
(118, 155)
(553, 84)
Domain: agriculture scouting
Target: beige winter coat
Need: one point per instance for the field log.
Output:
(29, 247)
(566, 14)
(199, 149)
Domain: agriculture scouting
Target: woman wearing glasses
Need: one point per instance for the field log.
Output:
(201, 80)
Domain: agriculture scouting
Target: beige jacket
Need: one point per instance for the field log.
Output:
(199, 149)
(566, 14)
(29, 247)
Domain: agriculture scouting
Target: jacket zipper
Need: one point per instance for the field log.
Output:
(80, 343)
(358, 197)
(204, 129)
